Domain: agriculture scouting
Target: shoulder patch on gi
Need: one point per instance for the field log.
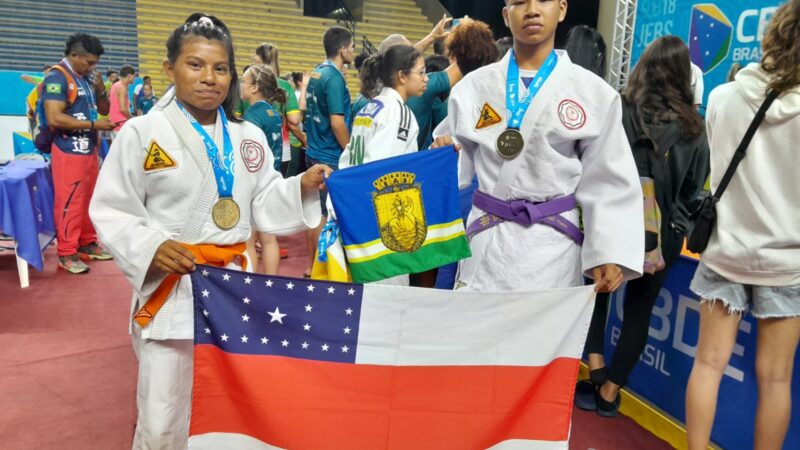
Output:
(252, 154)
(372, 109)
(488, 118)
(405, 122)
(572, 115)
(157, 158)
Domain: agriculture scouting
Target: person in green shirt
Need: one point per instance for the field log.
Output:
(362, 100)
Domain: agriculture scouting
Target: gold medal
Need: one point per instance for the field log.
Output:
(225, 213)
(510, 143)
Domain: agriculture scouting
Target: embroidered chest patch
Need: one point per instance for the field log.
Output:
(157, 158)
(488, 117)
(572, 115)
(252, 154)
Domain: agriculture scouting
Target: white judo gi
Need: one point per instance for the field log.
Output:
(574, 144)
(136, 208)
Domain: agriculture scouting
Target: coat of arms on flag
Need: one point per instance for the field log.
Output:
(399, 215)
(285, 363)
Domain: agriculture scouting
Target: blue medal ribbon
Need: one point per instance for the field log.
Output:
(223, 166)
(327, 237)
(518, 107)
(87, 89)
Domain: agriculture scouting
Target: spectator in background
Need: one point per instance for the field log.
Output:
(146, 102)
(504, 44)
(752, 261)
(112, 76)
(328, 115)
(297, 164)
(439, 47)
(74, 157)
(120, 110)
(697, 85)
(362, 99)
(138, 91)
(735, 68)
(437, 63)
(586, 48)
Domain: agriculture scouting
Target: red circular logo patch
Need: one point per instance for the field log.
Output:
(571, 114)
(252, 155)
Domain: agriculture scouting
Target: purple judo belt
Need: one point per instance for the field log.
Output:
(525, 213)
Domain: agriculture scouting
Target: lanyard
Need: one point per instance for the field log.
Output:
(516, 107)
(87, 89)
(223, 168)
(329, 63)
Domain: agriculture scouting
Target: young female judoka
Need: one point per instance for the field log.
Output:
(182, 185)
(535, 163)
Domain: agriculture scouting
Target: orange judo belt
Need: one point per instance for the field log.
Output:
(213, 255)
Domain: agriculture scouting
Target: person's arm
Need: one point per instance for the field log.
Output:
(454, 75)
(339, 128)
(57, 118)
(293, 123)
(122, 99)
(101, 96)
(438, 32)
(303, 89)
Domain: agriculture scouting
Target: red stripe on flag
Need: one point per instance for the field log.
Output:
(297, 404)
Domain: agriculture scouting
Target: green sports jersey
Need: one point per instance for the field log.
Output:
(327, 95)
(422, 106)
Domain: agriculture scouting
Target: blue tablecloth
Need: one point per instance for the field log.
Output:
(26, 207)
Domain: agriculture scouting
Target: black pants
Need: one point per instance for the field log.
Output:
(640, 297)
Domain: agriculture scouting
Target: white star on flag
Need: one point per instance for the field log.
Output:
(325, 347)
(205, 313)
(307, 327)
(348, 311)
(276, 316)
(264, 340)
(309, 308)
(224, 338)
(310, 288)
(226, 277)
(205, 273)
(208, 330)
(347, 330)
(345, 349)
(305, 345)
(331, 290)
(205, 293)
(246, 300)
(268, 283)
(245, 318)
(248, 280)
(285, 343)
(290, 286)
(244, 339)
(351, 291)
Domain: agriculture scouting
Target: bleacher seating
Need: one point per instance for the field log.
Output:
(33, 32)
(280, 22)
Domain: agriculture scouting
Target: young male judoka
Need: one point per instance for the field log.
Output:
(544, 136)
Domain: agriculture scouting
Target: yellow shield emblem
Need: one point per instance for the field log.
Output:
(400, 212)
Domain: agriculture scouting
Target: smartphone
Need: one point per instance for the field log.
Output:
(455, 23)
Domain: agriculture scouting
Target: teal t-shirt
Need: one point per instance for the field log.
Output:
(326, 95)
(268, 119)
(422, 106)
(359, 103)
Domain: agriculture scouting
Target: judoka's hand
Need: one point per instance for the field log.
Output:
(444, 141)
(607, 278)
(313, 179)
(173, 258)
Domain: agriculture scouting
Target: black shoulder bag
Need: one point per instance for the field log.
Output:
(706, 215)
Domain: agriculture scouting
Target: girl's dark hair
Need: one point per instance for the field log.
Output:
(381, 70)
(211, 28)
(267, 83)
(268, 54)
(586, 48)
(660, 87)
(781, 46)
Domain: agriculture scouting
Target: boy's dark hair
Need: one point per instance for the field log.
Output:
(436, 63)
(145, 79)
(215, 30)
(380, 70)
(586, 48)
(359, 60)
(335, 39)
(503, 45)
(439, 47)
(109, 72)
(126, 70)
(297, 78)
(82, 43)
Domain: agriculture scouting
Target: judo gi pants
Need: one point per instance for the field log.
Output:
(163, 392)
(74, 177)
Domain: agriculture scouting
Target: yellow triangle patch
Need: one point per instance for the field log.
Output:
(157, 158)
(488, 117)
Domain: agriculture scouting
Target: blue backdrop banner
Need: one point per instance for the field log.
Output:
(718, 33)
(664, 367)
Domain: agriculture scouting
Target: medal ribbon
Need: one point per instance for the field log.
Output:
(87, 89)
(516, 107)
(223, 168)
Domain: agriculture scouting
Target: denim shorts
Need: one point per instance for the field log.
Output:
(323, 193)
(764, 302)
